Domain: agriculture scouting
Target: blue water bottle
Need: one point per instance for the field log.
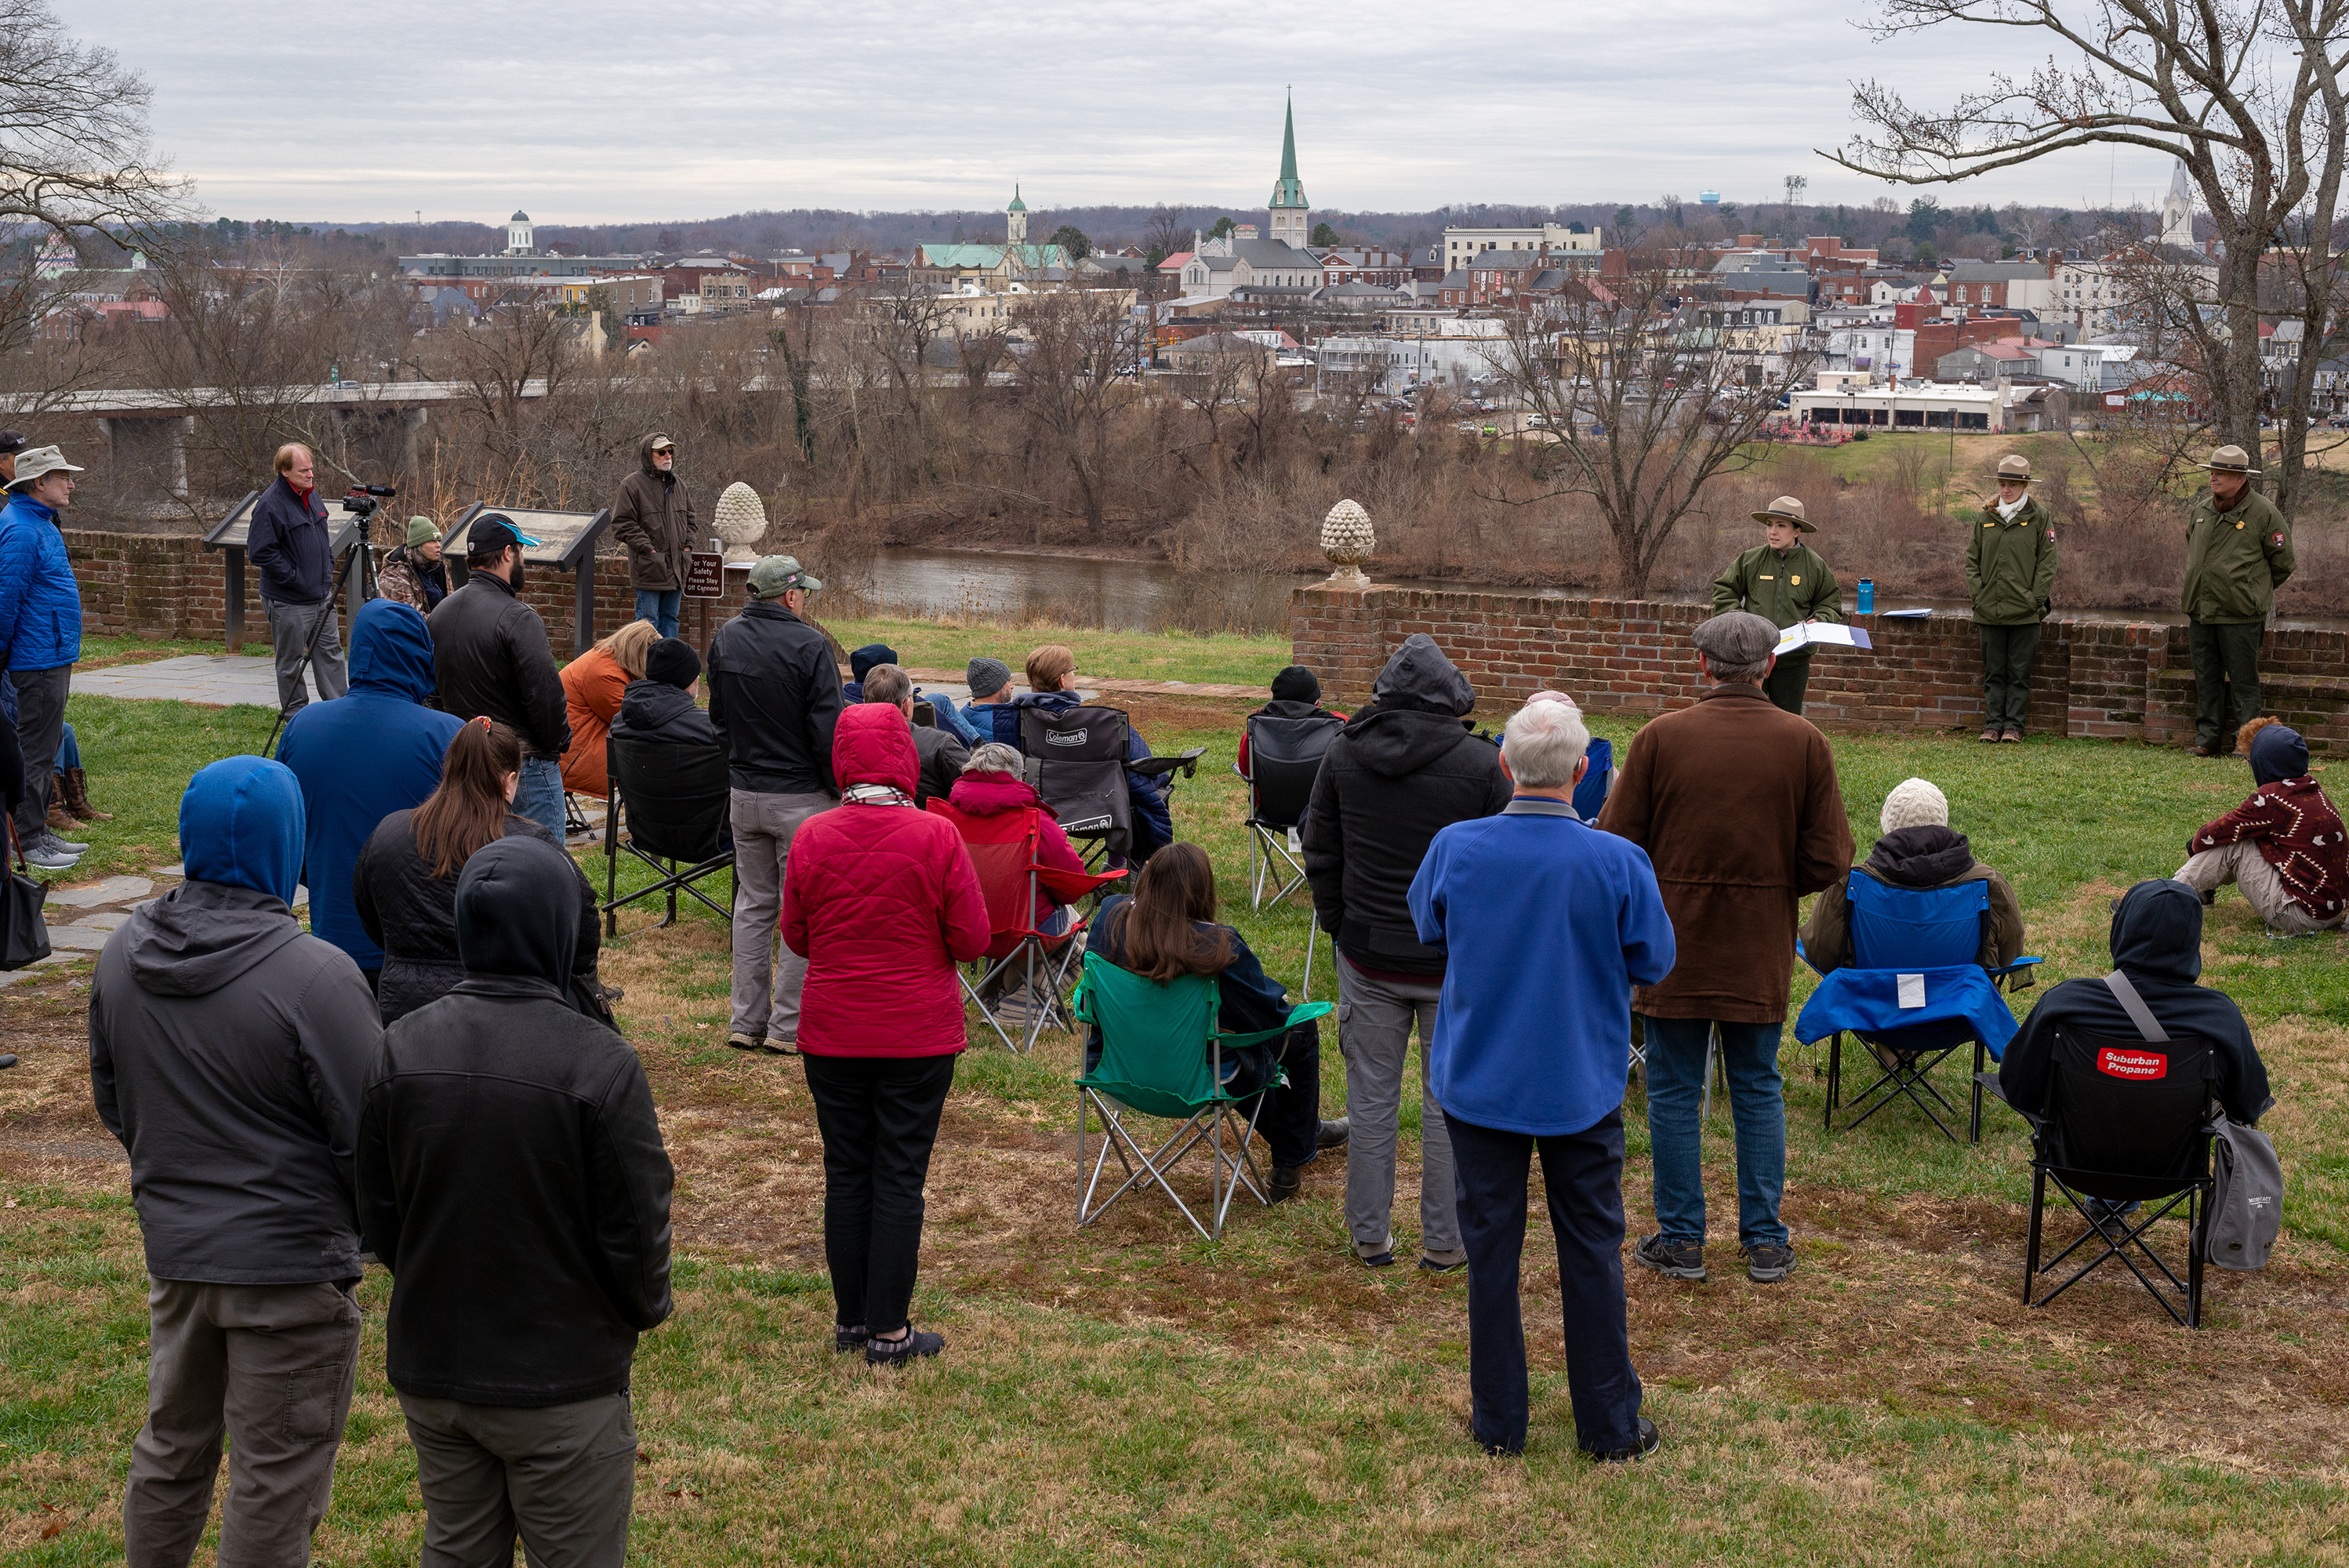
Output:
(1867, 596)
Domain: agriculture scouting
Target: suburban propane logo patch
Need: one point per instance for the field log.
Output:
(2142, 1065)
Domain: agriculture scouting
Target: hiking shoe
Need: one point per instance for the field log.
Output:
(50, 860)
(1650, 1441)
(1673, 1260)
(1767, 1262)
(917, 1344)
(46, 839)
(745, 1043)
(1990, 734)
(781, 1046)
(1333, 1133)
(1286, 1181)
(2012, 737)
(1381, 1259)
(845, 1340)
(1432, 1264)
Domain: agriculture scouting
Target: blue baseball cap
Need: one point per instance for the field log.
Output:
(494, 532)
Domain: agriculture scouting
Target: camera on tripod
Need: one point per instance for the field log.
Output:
(360, 501)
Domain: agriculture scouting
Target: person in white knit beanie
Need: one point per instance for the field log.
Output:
(1919, 851)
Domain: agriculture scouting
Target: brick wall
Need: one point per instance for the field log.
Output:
(2091, 678)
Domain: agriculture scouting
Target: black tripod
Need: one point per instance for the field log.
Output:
(362, 550)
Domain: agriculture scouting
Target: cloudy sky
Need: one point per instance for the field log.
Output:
(593, 110)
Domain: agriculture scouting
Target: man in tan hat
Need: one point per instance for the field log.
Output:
(2237, 554)
(40, 638)
(1785, 582)
(2010, 572)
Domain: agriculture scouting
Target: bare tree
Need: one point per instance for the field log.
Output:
(1078, 342)
(74, 150)
(1163, 235)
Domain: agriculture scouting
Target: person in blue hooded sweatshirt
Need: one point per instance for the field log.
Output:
(229, 1053)
(376, 751)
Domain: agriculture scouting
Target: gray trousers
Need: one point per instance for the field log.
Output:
(269, 1366)
(2264, 889)
(561, 1478)
(1374, 1024)
(290, 627)
(767, 975)
(40, 727)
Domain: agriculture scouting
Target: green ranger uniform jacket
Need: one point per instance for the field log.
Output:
(2010, 566)
(1788, 589)
(2235, 560)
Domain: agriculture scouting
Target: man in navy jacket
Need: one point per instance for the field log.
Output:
(1547, 924)
(291, 545)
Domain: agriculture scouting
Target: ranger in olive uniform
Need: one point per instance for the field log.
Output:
(1786, 583)
(2010, 572)
(2237, 554)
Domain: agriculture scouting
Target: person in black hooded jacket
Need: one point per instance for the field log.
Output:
(1397, 774)
(511, 1178)
(2157, 942)
(660, 705)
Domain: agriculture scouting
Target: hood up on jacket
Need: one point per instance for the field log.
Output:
(518, 912)
(2158, 933)
(874, 744)
(1927, 855)
(1420, 679)
(391, 651)
(242, 823)
(2278, 753)
(989, 794)
(1415, 711)
(644, 458)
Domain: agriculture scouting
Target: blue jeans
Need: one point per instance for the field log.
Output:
(660, 606)
(952, 722)
(1749, 1054)
(69, 751)
(540, 795)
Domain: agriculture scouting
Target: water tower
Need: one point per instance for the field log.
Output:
(1708, 198)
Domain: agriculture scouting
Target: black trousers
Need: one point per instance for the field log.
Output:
(1789, 679)
(2007, 653)
(1290, 1122)
(879, 1118)
(1584, 1174)
(40, 729)
(2226, 680)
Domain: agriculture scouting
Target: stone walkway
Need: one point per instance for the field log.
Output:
(82, 916)
(217, 679)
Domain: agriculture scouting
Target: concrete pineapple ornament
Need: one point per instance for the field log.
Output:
(740, 521)
(1346, 542)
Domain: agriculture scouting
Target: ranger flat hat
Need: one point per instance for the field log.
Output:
(1737, 638)
(1785, 509)
(40, 461)
(2015, 468)
(2225, 460)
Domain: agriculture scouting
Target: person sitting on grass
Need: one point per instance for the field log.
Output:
(1165, 929)
(1053, 687)
(2285, 845)
(405, 884)
(941, 752)
(1919, 851)
(1295, 694)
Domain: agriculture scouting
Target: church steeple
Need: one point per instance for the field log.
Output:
(1291, 217)
(1015, 218)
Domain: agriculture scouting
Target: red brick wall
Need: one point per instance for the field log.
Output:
(2091, 678)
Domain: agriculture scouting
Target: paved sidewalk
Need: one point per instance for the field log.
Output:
(82, 916)
(219, 680)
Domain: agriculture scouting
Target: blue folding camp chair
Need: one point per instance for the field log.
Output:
(1914, 994)
(1597, 779)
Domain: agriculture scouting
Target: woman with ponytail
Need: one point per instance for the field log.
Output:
(405, 884)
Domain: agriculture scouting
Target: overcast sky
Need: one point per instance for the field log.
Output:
(597, 111)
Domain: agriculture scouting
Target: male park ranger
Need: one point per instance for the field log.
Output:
(1788, 583)
(2237, 554)
(2011, 571)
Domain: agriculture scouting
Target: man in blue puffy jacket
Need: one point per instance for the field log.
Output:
(40, 635)
(291, 546)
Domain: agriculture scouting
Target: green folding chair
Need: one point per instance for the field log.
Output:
(1162, 1057)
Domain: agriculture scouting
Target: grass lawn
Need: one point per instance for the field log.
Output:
(1130, 1394)
(1218, 658)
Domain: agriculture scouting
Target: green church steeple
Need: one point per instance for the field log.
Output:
(1290, 192)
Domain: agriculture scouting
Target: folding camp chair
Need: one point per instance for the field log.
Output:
(1284, 759)
(1162, 1055)
(1003, 851)
(1590, 795)
(1076, 759)
(2126, 1121)
(1914, 994)
(676, 800)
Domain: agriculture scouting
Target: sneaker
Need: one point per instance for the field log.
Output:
(917, 1344)
(1286, 1181)
(1990, 734)
(1333, 1133)
(1673, 1260)
(781, 1046)
(2012, 737)
(1650, 1441)
(743, 1042)
(847, 1340)
(1430, 1265)
(1381, 1259)
(46, 840)
(1767, 1262)
(45, 858)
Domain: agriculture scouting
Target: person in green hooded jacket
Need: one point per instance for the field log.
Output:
(2237, 554)
(1786, 583)
(2010, 572)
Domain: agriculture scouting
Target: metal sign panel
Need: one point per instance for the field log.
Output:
(705, 575)
(564, 538)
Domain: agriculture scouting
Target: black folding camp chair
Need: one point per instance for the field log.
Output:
(1075, 758)
(676, 799)
(2127, 1122)
(1284, 759)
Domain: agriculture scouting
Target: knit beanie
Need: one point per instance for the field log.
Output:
(987, 677)
(861, 662)
(672, 662)
(1296, 684)
(422, 531)
(1915, 803)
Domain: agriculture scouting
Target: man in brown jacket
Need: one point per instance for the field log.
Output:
(653, 517)
(1735, 803)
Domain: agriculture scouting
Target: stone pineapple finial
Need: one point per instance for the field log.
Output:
(740, 521)
(1346, 542)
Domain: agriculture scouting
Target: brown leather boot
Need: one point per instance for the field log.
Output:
(76, 785)
(59, 822)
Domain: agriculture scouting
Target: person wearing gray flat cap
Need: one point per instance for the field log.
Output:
(1785, 582)
(2237, 554)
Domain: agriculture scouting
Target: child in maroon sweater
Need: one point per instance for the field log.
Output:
(2284, 846)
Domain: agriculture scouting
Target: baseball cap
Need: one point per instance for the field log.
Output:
(11, 442)
(777, 574)
(492, 534)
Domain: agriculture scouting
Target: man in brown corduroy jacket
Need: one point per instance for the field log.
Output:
(1735, 802)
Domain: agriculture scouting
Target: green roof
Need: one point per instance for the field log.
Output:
(987, 258)
(1017, 205)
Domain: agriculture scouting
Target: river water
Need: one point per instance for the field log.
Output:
(1154, 595)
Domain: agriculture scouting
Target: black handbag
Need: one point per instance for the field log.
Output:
(24, 935)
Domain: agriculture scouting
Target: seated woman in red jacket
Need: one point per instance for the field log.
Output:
(2282, 847)
(881, 899)
(1165, 929)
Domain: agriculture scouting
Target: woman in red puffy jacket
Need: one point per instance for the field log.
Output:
(881, 901)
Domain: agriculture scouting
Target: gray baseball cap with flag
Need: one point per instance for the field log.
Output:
(776, 575)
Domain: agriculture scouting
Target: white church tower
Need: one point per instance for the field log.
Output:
(1015, 218)
(2178, 210)
(518, 239)
(1291, 217)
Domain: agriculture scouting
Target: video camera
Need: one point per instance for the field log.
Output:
(360, 501)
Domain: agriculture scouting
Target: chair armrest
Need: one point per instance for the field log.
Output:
(1303, 1013)
(1806, 958)
(2008, 976)
(1159, 767)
